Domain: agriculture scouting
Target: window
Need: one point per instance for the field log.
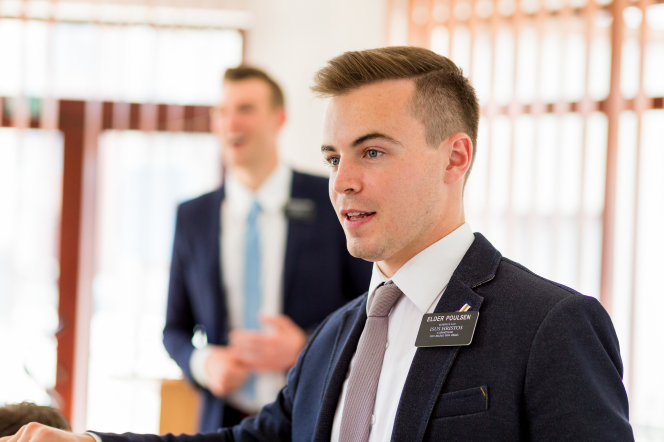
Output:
(103, 122)
(566, 179)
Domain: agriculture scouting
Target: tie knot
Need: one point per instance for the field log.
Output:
(383, 299)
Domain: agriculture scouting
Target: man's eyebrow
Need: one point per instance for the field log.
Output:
(362, 139)
(375, 136)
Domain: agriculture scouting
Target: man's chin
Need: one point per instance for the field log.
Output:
(364, 250)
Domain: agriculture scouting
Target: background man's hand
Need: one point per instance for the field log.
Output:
(276, 350)
(226, 373)
(35, 432)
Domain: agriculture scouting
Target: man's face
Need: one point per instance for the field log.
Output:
(386, 184)
(247, 122)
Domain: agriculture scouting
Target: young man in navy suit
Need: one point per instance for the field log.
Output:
(543, 363)
(298, 270)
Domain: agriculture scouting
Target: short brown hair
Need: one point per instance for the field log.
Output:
(14, 416)
(241, 73)
(444, 98)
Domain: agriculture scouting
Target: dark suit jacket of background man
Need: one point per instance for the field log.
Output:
(319, 275)
(544, 365)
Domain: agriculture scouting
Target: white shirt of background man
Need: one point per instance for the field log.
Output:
(272, 196)
(423, 281)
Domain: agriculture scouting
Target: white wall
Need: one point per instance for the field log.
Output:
(292, 39)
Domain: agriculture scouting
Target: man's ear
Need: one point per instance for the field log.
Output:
(281, 117)
(460, 151)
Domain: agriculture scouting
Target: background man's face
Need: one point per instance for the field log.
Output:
(247, 122)
(386, 183)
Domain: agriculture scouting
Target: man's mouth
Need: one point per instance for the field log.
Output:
(235, 140)
(356, 216)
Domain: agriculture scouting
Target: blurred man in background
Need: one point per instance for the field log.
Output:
(267, 241)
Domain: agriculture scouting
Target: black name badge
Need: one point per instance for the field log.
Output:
(300, 209)
(447, 329)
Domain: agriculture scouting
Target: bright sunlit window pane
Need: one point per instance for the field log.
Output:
(500, 165)
(482, 60)
(629, 75)
(653, 77)
(574, 83)
(600, 66)
(136, 63)
(624, 230)
(30, 187)
(440, 40)
(504, 65)
(550, 56)
(10, 54)
(527, 63)
(144, 177)
(648, 364)
(461, 48)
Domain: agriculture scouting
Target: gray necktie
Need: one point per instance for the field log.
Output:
(364, 375)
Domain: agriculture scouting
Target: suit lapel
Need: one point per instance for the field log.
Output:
(431, 365)
(211, 243)
(342, 353)
(429, 370)
(298, 232)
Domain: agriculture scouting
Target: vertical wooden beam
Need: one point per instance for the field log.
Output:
(245, 49)
(586, 106)
(514, 110)
(641, 104)
(71, 114)
(615, 105)
(4, 118)
(80, 123)
(390, 13)
(418, 32)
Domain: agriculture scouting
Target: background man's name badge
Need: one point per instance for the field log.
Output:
(447, 329)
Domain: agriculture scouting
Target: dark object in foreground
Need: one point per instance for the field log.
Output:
(14, 416)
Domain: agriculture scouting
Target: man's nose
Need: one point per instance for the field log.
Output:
(347, 177)
(231, 121)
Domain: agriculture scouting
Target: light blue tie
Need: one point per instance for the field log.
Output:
(252, 283)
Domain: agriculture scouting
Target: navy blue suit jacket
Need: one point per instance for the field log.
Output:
(544, 365)
(319, 275)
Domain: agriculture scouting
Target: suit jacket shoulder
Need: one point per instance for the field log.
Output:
(544, 365)
(305, 184)
(205, 207)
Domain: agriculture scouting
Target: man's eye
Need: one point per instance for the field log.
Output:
(333, 161)
(372, 153)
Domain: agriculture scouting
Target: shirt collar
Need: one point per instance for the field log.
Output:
(426, 274)
(272, 195)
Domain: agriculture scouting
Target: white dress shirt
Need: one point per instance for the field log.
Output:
(423, 280)
(272, 197)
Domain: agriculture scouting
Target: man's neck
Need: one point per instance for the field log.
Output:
(254, 176)
(389, 267)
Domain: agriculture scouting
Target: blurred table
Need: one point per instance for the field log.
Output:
(179, 407)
